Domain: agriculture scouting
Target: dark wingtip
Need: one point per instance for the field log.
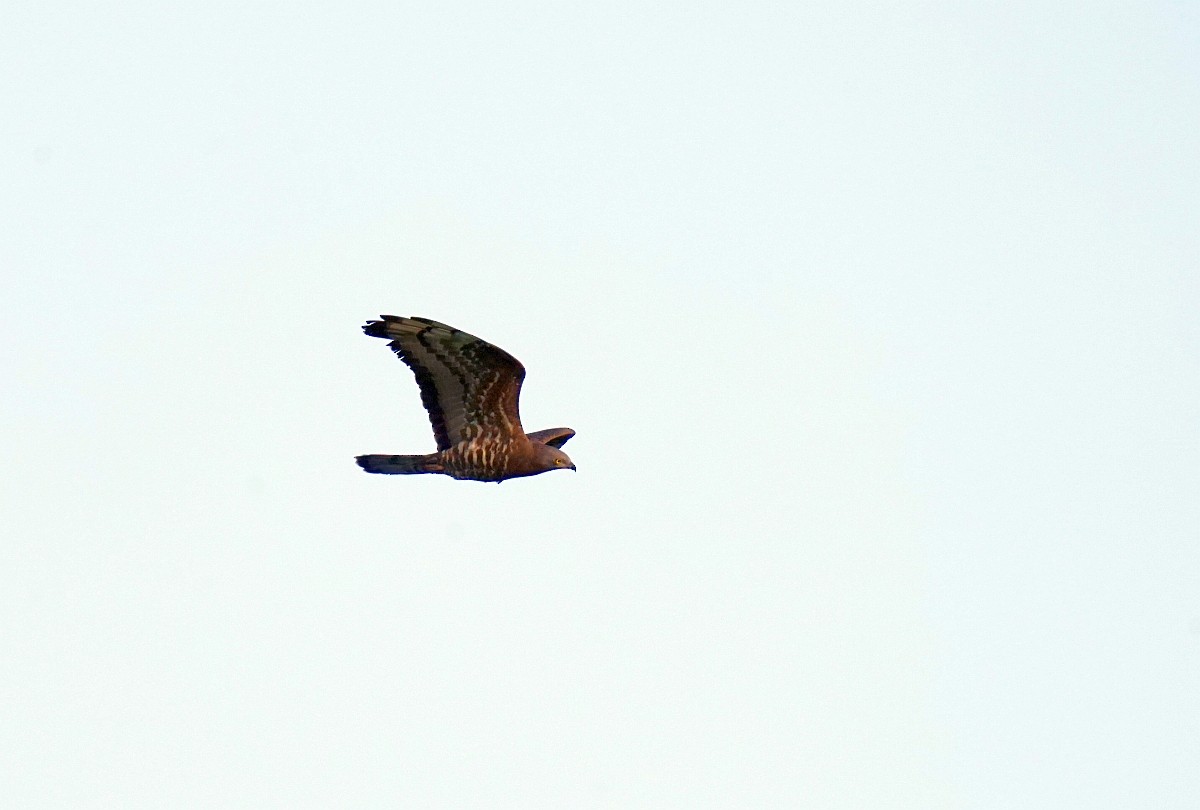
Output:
(376, 328)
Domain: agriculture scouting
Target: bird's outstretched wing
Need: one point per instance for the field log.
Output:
(469, 387)
(555, 437)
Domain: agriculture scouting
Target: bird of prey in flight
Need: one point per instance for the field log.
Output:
(470, 389)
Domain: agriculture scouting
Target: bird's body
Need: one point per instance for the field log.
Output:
(470, 389)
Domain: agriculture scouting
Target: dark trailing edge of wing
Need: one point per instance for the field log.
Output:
(429, 398)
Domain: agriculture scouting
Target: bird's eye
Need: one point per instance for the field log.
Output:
(558, 461)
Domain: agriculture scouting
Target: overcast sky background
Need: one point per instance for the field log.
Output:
(877, 323)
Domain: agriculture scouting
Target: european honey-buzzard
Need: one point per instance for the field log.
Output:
(470, 389)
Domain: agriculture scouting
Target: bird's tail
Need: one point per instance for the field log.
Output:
(399, 465)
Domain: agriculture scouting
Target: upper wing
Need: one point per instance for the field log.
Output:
(555, 437)
(468, 386)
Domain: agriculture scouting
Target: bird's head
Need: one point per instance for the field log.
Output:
(551, 458)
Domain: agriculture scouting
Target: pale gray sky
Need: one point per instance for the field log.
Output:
(878, 324)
